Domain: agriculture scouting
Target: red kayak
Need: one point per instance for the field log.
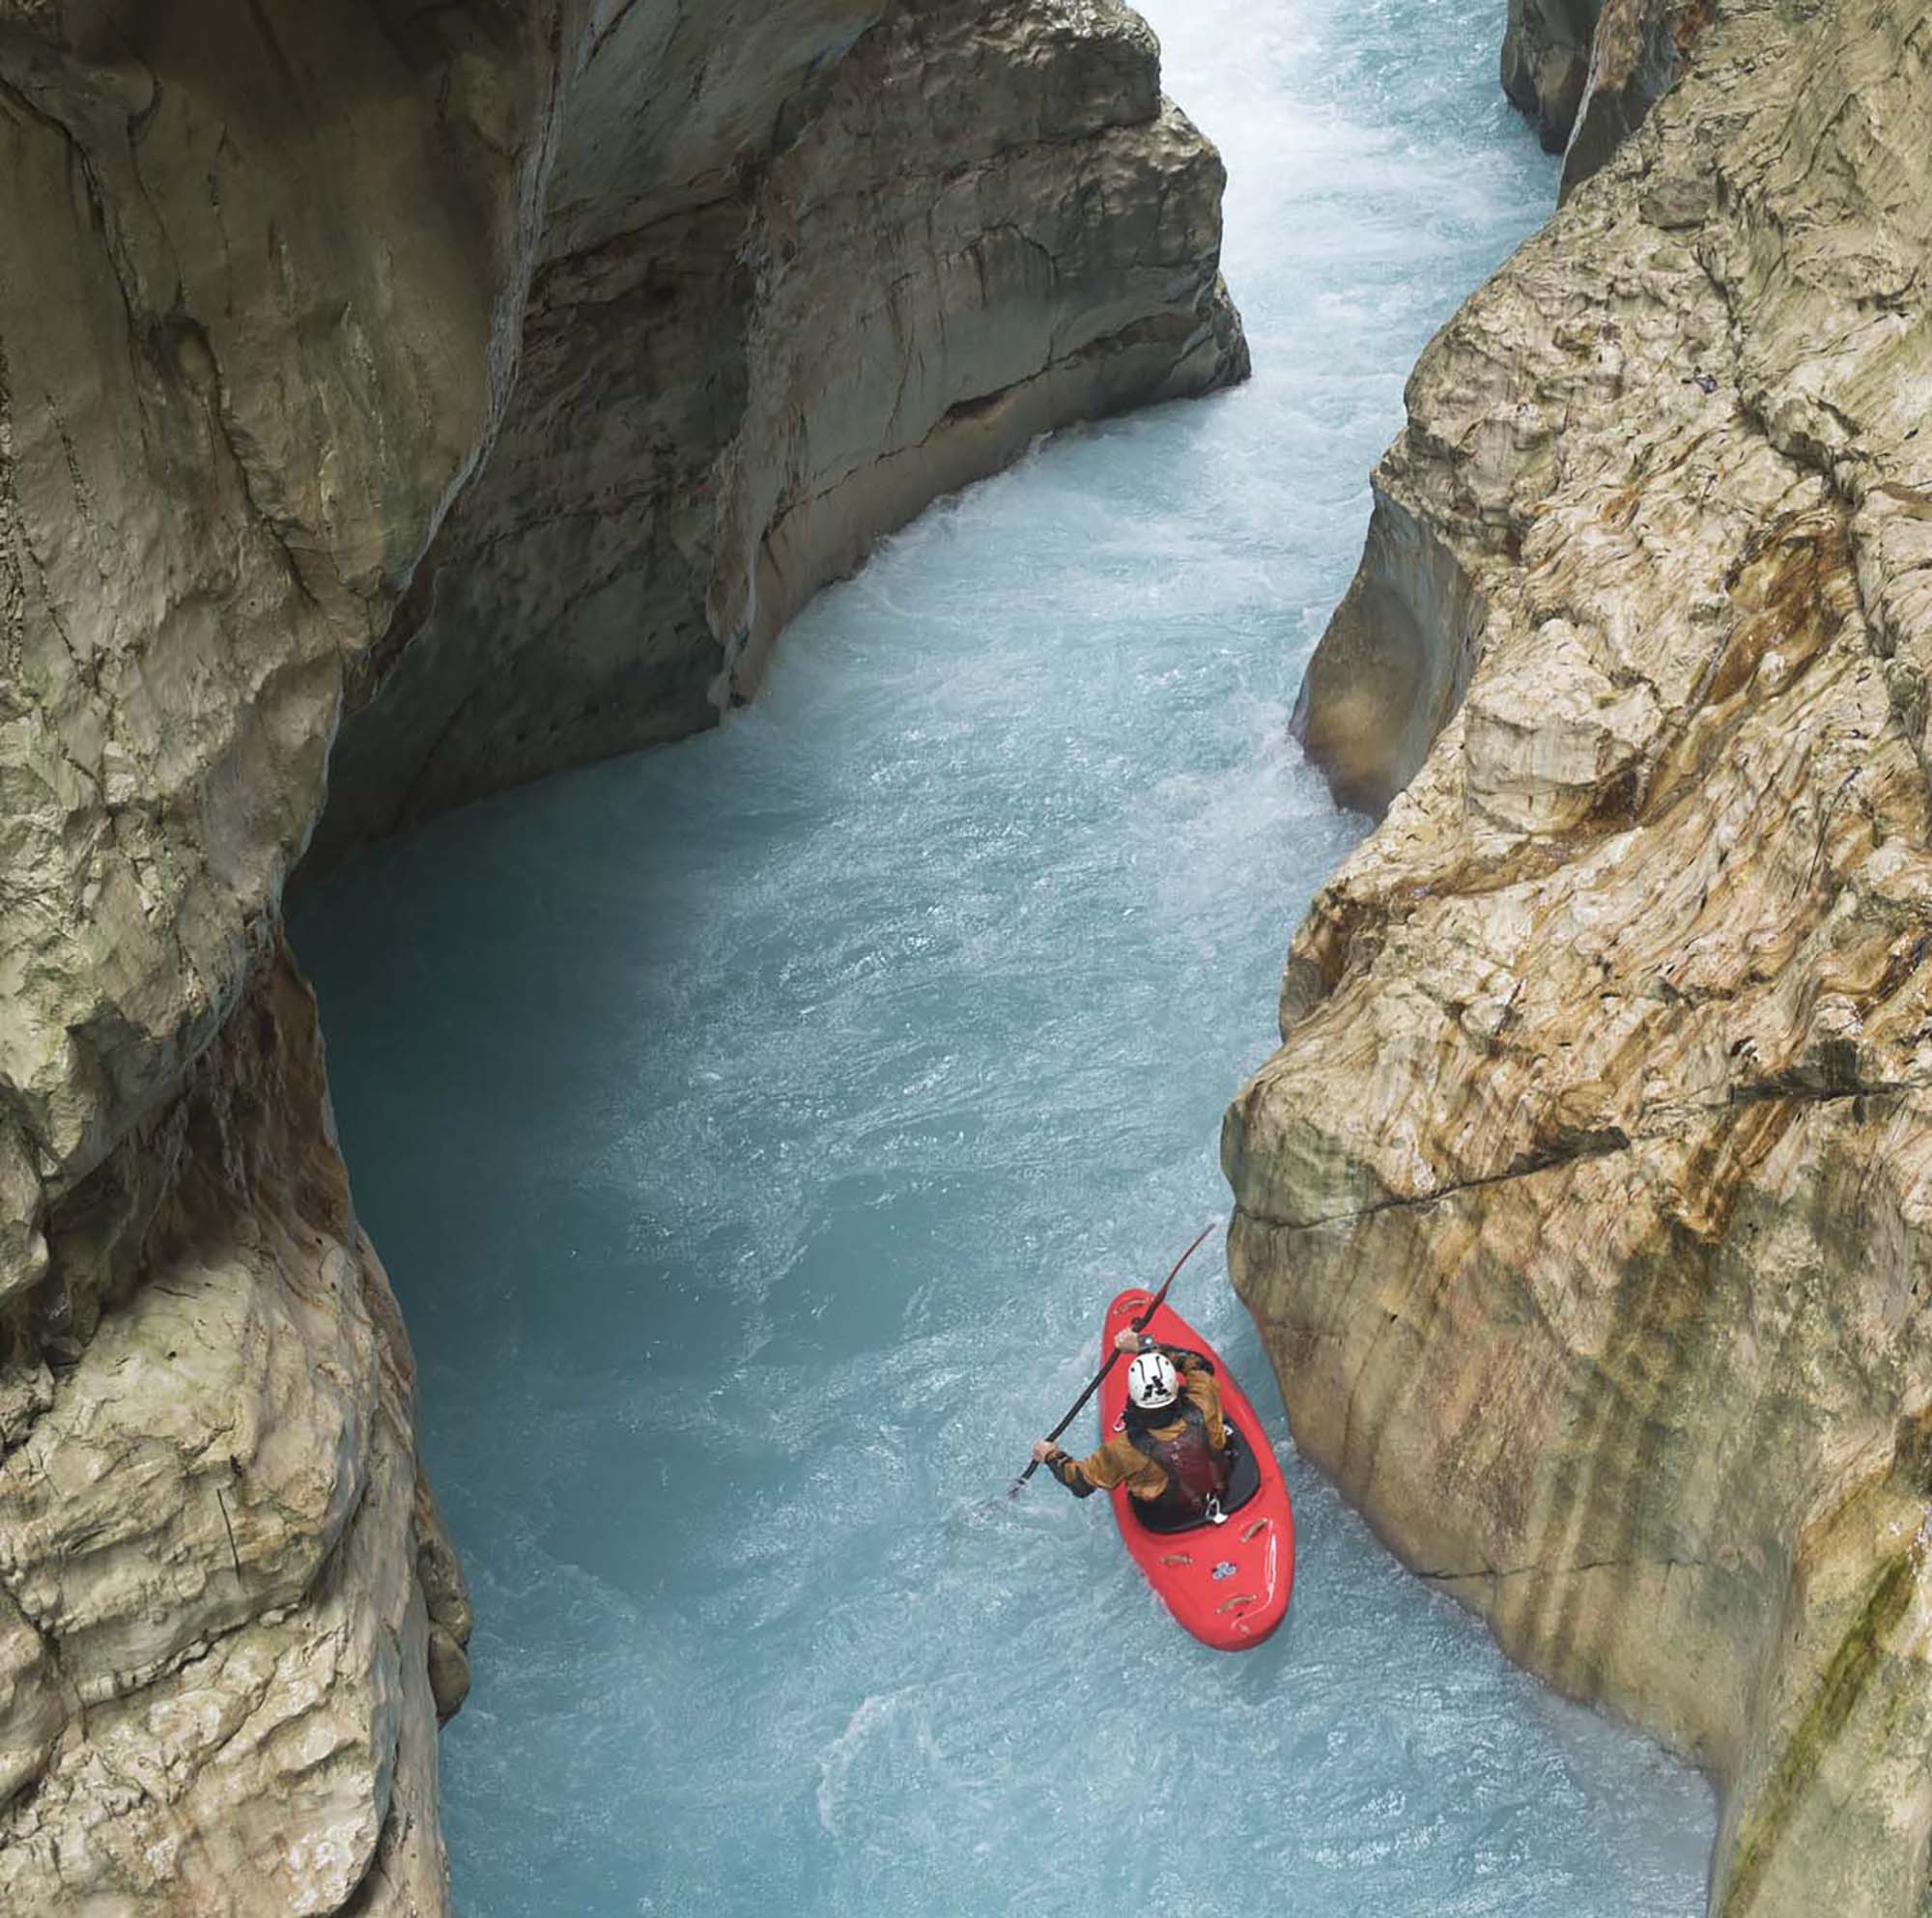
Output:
(1227, 1583)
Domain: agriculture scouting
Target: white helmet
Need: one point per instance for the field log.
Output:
(1153, 1382)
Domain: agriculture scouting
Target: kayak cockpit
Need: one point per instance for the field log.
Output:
(1243, 1482)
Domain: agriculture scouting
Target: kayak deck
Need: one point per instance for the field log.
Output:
(1228, 1583)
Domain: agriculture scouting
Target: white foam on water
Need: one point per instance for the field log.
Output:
(756, 1130)
(891, 1719)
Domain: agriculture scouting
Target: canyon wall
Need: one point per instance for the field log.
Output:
(261, 425)
(234, 402)
(1586, 1208)
(886, 249)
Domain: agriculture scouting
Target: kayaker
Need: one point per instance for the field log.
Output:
(1172, 1454)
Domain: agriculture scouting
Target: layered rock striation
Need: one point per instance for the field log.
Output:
(1586, 1209)
(882, 249)
(261, 427)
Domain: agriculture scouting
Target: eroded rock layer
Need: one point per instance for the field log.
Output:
(268, 271)
(891, 245)
(1586, 1208)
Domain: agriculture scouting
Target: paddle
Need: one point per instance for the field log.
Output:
(1154, 1306)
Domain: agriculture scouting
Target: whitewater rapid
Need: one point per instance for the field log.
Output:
(755, 1129)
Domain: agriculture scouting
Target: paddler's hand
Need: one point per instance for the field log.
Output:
(1127, 1339)
(1043, 1450)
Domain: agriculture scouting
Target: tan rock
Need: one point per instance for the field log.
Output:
(196, 1467)
(214, 1679)
(1637, 50)
(1587, 1206)
(232, 407)
(34, 1704)
(446, 1603)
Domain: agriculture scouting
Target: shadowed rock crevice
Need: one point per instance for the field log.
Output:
(1547, 61)
(1586, 72)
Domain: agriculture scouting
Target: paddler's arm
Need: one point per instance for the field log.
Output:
(1187, 1363)
(1200, 1386)
(1098, 1471)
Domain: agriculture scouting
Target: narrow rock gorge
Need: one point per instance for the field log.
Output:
(507, 375)
(1586, 1208)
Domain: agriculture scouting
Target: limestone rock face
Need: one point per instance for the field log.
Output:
(889, 245)
(1586, 1208)
(217, 1641)
(233, 410)
(270, 275)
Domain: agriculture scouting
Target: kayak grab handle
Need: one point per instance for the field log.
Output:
(1239, 1599)
(1254, 1530)
(1176, 1558)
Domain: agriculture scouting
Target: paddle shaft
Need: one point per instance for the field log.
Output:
(1140, 1325)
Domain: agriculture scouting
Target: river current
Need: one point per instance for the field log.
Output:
(754, 1130)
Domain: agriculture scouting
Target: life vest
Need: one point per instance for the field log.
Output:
(1195, 1471)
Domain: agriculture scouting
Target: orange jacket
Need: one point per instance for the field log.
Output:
(1120, 1462)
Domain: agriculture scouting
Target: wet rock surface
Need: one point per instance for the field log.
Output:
(1584, 1208)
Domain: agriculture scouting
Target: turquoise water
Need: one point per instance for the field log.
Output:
(756, 1130)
